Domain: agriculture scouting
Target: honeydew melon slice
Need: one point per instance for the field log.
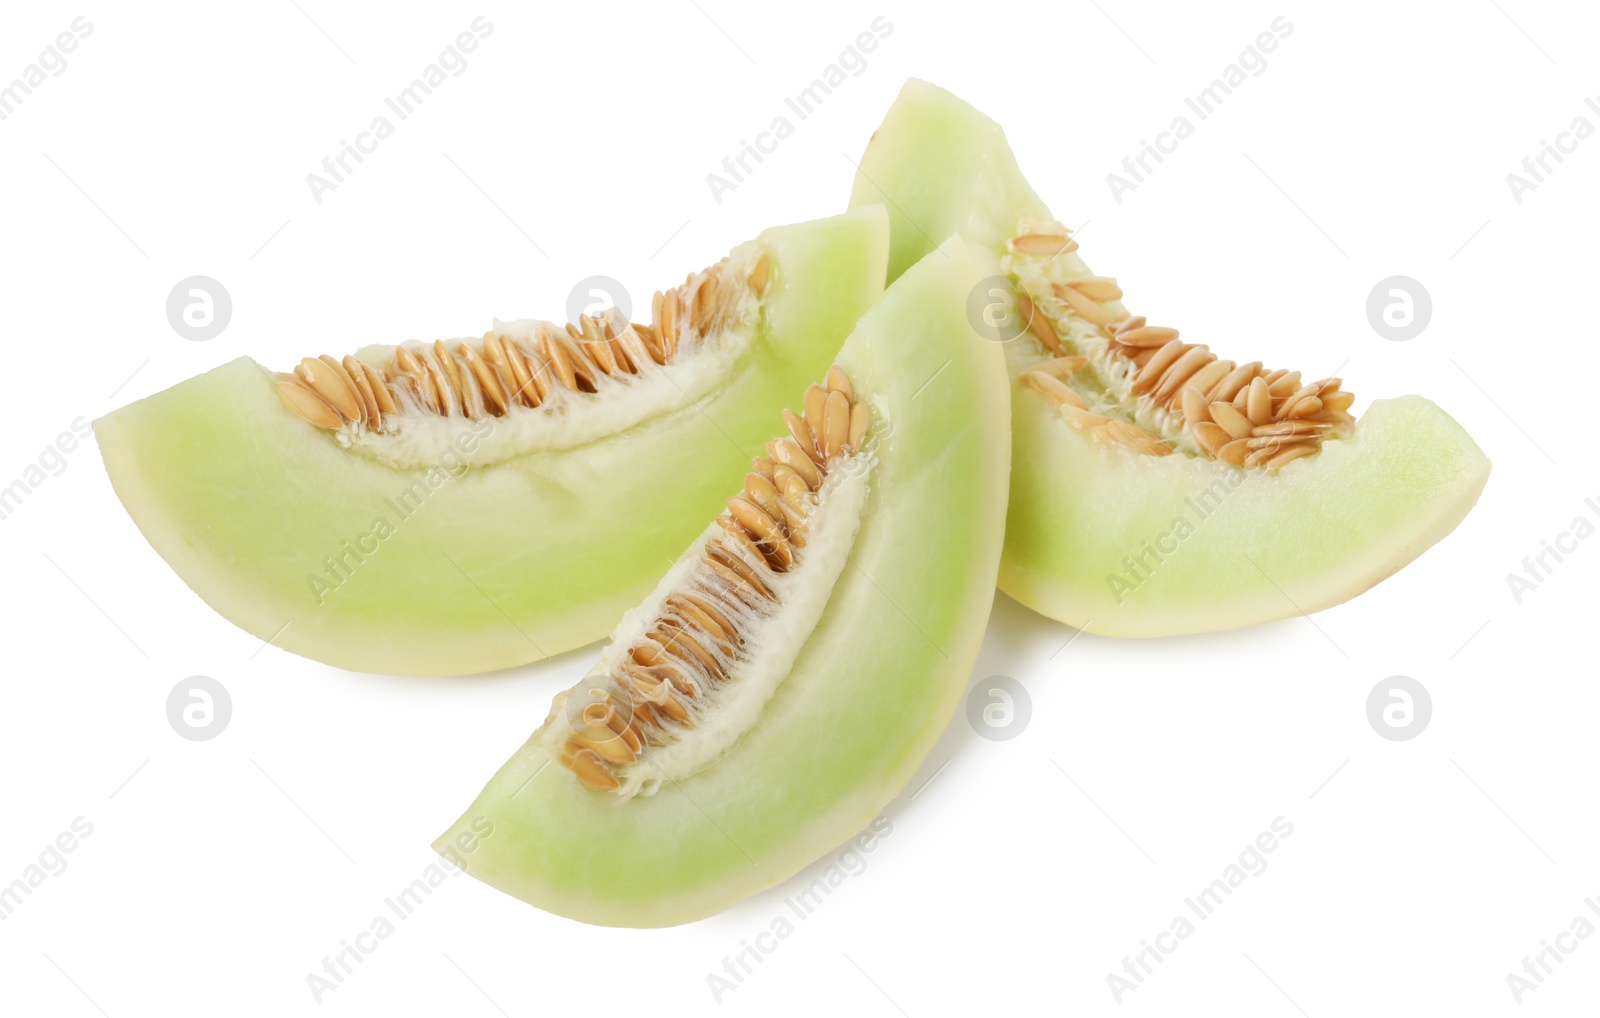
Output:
(834, 689)
(495, 533)
(1123, 520)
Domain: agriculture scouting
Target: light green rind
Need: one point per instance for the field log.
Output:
(1320, 531)
(870, 690)
(502, 564)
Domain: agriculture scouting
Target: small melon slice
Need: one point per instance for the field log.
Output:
(472, 505)
(791, 671)
(1158, 489)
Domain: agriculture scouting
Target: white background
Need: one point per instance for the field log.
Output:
(1377, 142)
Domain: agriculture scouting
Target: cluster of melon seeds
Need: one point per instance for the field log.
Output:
(1241, 414)
(670, 675)
(490, 378)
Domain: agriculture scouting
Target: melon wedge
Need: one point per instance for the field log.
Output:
(1116, 541)
(845, 685)
(472, 541)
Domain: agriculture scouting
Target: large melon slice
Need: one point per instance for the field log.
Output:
(1157, 489)
(786, 678)
(465, 506)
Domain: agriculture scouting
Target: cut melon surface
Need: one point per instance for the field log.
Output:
(1186, 545)
(470, 542)
(836, 694)
(1112, 539)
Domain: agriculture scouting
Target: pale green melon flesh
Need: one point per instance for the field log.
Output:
(868, 693)
(940, 167)
(1318, 532)
(498, 566)
(1214, 547)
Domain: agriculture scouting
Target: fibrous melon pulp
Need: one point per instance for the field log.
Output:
(470, 505)
(1158, 489)
(796, 664)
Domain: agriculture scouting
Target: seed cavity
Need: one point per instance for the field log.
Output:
(688, 655)
(1049, 379)
(1161, 395)
(1047, 244)
(503, 372)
